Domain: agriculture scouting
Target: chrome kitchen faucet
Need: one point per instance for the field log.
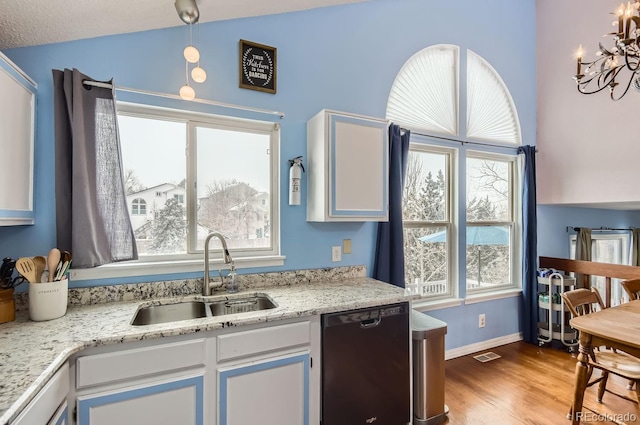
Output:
(226, 257)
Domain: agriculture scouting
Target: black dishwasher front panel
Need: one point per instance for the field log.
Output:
(365, 366)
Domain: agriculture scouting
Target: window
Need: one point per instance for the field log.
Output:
(426, 98)
(233, 169)
(427, 218)
(139, 207)
(225, 169)
(490, 223)
(491, 114)
(610, 248)
(425, 93)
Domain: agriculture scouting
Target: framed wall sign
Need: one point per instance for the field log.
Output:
(258, 69)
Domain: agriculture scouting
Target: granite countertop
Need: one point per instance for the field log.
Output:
(31, 352)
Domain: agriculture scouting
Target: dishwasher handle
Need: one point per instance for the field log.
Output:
(370, 323)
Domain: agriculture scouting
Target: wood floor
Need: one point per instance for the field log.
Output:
(527, 385)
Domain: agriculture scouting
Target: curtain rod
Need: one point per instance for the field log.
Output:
(462, 142)
(599, 229)
(176, 97)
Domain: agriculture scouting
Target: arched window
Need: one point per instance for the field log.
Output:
(425, 97)
(491, 114)
(138, 207)
(424, 94)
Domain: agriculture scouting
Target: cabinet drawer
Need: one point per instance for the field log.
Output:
(43, 407)
(257, 341)
(138, 362)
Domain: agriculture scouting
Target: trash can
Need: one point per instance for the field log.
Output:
(428, 369)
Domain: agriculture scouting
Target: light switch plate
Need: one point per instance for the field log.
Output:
(346, 246)
(336, 253)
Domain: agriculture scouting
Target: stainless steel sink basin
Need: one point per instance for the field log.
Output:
(153, 314)
(187, 310)
(241, 305)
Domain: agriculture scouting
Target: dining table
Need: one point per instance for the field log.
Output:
(616, 327)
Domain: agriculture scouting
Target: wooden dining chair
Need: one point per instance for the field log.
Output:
(632, 288)
(585, 301)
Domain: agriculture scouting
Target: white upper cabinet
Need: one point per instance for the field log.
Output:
(348, 166)
(17, 124)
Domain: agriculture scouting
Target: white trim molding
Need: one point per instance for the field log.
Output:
(482, 345)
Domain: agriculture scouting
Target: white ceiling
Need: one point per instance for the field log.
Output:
(35, 22)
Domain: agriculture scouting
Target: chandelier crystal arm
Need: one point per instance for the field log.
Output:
(629, 83)
(620, 62)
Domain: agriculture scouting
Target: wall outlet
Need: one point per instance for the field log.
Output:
(346, 246)
(336, 253)
(481, 320)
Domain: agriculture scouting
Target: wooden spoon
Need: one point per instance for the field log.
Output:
(26, 268)
(52, 262)
(40, 263)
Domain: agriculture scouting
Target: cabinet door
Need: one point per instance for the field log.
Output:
(348, 167)
(170, 402)
(17, 124)
(359, 150)
(272, 392)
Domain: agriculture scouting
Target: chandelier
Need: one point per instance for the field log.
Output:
(620, 63)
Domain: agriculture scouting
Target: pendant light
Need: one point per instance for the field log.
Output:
(189, 14)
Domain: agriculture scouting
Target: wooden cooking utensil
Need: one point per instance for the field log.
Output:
(26, 268)
(52, 262)
(40, 263)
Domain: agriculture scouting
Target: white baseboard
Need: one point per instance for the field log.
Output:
(482, 345)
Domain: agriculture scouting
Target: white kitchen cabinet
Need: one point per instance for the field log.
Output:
(262, 373)
(156, 384)
(271, 392)
(171, 401)
(49, 405)
(348, 167)
(267, 375)
(17, 135)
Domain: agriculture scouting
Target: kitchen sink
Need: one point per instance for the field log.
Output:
(241, 305)
(187, 310)
(153, 314)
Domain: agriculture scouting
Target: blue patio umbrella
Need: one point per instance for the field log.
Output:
(476, 235)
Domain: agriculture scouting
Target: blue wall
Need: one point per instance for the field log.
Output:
(342, 58)
(553, 238)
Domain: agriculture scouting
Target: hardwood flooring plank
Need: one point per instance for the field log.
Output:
(528, 385)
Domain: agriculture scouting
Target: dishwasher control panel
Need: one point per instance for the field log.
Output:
(365, 314)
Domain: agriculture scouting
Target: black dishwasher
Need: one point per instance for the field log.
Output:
(365, 366)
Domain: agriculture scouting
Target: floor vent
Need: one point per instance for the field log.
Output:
(486, 357)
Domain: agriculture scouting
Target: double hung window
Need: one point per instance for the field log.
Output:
(427, 218)
(491, 225)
